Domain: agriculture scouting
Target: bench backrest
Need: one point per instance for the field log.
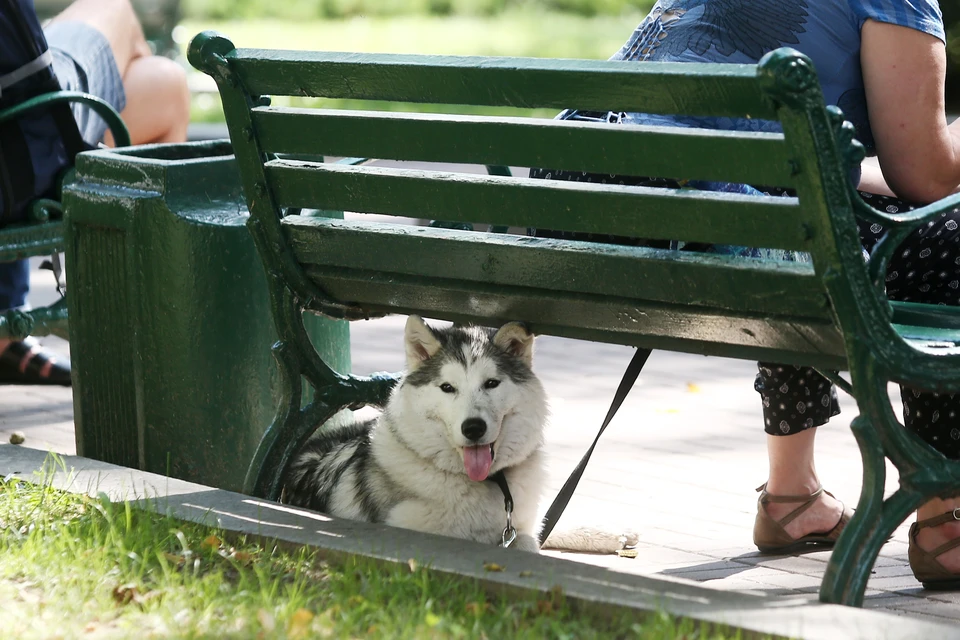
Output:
(720, 304)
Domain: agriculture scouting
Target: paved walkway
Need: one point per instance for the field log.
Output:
(679, 463)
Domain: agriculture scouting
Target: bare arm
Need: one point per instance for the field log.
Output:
(903, 74)
(871, 179)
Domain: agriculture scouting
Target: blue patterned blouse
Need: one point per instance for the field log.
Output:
(742, 31)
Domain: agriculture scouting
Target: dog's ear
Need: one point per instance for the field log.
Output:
(516, 339)
(420, 341)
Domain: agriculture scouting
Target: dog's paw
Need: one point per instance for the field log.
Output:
(526, 543)
(628, 538)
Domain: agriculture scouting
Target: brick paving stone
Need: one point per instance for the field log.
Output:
(898, 584)
(889, 600)
(893, 570)
(929, 608)
(705, 575)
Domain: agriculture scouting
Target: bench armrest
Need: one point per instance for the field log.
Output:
(899, 226)
(103, 109)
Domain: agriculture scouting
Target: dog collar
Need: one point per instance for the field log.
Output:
(509, 533)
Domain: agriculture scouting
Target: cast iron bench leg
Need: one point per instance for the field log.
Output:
(924, 473)
(299, 361)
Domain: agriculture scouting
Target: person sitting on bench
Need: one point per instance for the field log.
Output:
(886, 69)
(98, 47)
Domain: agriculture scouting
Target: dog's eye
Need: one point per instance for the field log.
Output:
(446, 387)
(492, 383)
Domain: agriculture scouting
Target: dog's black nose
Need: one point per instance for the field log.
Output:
(473, 428)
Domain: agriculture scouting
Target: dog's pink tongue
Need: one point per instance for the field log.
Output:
(477, 461)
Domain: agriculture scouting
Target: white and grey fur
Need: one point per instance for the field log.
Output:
(406, 468)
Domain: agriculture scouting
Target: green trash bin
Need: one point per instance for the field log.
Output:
(170, 325)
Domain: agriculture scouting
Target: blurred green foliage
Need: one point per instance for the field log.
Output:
(307, 9)
(300, 10)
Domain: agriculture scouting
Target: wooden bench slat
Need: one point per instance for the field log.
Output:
(590, 317)
(663, 214)
(925, 315)
(708, 282)
(528, 83)
(669, 152)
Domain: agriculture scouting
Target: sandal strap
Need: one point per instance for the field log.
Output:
(946, 546)
(807, 500)
(949, 516)
(28, 357)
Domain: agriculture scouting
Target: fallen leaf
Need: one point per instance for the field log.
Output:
(242, 557)
(526, 574)
(174, 558)
(17, 437)
(412, 564)
(692, 388)
(544, 607)
(627, 553)
(125, 593)
(130, 593)
(300, 623)
(492, 566)
(211, 542)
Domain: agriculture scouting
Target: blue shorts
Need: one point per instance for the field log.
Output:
(83, 61)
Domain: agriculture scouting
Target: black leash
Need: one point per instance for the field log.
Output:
(566, 492)
(509, 533)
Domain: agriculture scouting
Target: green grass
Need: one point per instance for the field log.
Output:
(73, 566)
(513, 33)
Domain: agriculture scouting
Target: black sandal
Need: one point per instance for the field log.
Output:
(27, 362)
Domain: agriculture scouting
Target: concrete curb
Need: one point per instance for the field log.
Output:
(584, 585)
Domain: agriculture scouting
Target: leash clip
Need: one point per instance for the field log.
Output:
(509, 533)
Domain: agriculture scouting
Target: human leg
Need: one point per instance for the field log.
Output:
(14, 285)
(926, 268)
(796, 400)
(156, 104)
(158, 101)
(24, 361)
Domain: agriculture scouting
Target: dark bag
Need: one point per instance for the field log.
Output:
(37, 146)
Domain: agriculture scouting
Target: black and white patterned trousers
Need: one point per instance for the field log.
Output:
(925, 268)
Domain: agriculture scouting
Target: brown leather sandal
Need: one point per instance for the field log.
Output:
(926, 568)
(28, 362)
(770, 536)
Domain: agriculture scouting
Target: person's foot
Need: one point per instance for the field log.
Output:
(822, 516)
(28, 362)
(930, 538)
(798, 521)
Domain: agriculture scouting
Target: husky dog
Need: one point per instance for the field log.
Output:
(469, 406)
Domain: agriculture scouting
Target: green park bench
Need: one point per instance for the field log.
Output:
(830, 313)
